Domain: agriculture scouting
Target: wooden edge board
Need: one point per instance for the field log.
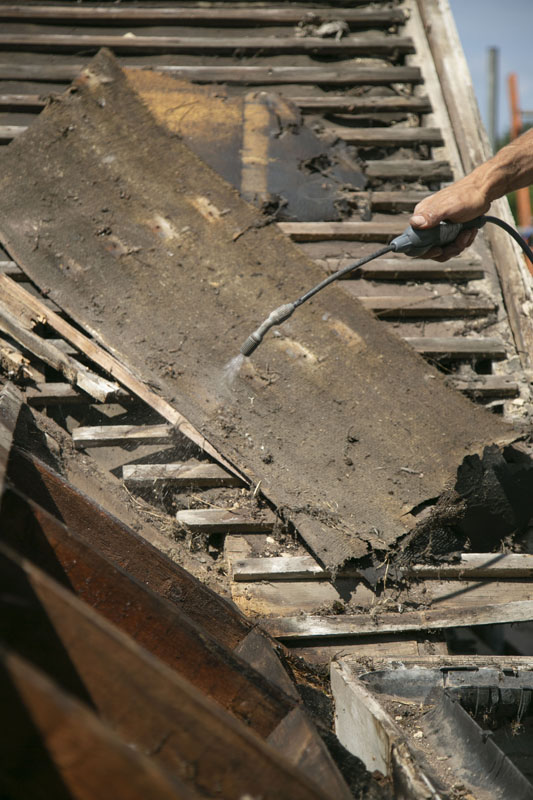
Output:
(458, 347)
(10, 132)
(310, 627)
(52, 394)
(347, 104)
(114, 368)
(427, 306)
(70, 745)
(485, 386)
(393, 136)
(10, 405)
(144, 701)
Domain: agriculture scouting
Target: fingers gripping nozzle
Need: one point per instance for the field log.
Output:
(417, 241)
(277, 316)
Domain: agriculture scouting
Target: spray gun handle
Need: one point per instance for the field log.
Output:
(415, 242)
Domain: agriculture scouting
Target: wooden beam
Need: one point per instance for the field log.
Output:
(10, 132)
(387, 201)
(21, 102)
(150, 706)
(73, 753)
(279, 568)
(410, 170)
(319, 76)
(214, 520)
(393, 136)
(112, 366)
(10, 405)
(11, 270)
(347, 105)
(127, 549)
(121, 435)
(244, 16)
(346, 47)
(311, 627)
(160, 627)
(391, 269)
(442, 307)
(53, 394)
(458, 347)
(485, 386)
(179, 475)
(346, 231)
(99, 388)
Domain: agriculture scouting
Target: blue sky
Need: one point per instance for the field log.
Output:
(508, 25)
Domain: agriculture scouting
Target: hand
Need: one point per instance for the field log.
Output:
(460, 202)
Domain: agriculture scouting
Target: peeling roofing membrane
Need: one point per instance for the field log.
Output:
(345, 428)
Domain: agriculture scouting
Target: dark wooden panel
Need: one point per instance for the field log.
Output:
(155, 710)
(73, 754)
(127, 549)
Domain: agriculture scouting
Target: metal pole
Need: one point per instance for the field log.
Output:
(493, 58)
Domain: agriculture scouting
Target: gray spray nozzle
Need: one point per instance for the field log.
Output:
(416, 241)
(277, 316)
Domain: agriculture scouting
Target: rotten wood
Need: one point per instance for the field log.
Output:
(179, 475)
(17, 366)
(319, 76)
(73, 753)
(110, 15)
(388, 137)
(485, 386)
(147, 45)
(160, 627)
(458, 347)
(112, 366)
(121, 435)
(10, 405)
(214, 520)
(154, 709)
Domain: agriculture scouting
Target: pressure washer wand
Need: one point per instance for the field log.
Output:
(412, 242)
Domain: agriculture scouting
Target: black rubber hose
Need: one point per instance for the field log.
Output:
(340, 273)
(511, 231)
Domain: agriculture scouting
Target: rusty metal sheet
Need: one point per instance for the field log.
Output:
(345, 427)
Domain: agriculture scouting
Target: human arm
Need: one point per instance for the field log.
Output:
(510, 169)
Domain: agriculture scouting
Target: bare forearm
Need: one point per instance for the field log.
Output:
(510, 169)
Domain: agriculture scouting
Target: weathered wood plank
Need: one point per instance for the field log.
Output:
(160, 627)
(244, 16)
(18, 366)
(127, 549)
(10, 405)
(347, 104)
(458, 347)
(50, 394)
(346, 231)
(388, 137)
(21, 102)
(485, 386)
(410, 170)
(344, 76)
(120, 435)
(387, 201)
(154, 709)
(142, 45)
(99, 388)
(444, 307)
(73, 753)
(111, 365)
(188, 473)
(10, 132)
(213, 520)
(472, 566)
(279, 568)
(391, 269)
(310, 627)
(11, 270)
